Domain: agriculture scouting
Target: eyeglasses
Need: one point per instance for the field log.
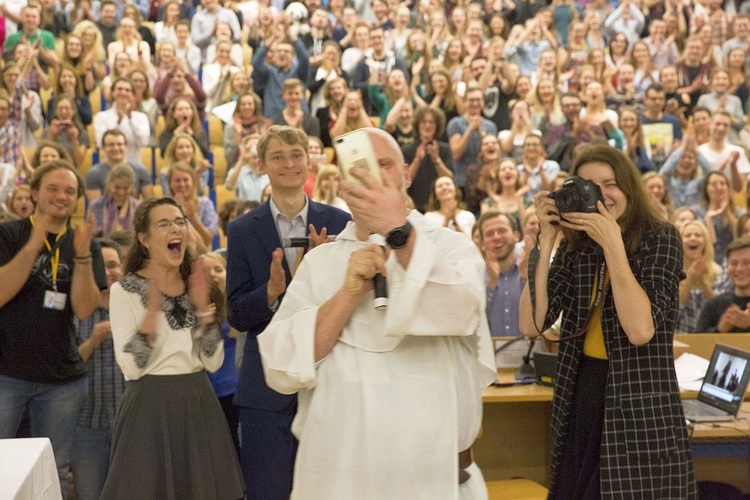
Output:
(115, 145)
(165, 224)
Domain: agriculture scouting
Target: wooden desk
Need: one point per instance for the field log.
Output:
(702, 344)
(516, 440)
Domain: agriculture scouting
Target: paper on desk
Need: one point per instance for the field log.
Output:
(691, 370)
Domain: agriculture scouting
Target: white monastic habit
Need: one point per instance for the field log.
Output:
(386, 413)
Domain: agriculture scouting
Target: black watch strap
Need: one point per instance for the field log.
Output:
(399, 236)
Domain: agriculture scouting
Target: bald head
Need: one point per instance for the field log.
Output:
(390, 157)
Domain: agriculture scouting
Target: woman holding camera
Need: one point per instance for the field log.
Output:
(617, 417)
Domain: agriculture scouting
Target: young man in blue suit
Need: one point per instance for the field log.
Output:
(259, 269)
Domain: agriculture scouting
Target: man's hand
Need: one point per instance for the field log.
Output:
(363, 265)
(378, 208)
(431, 149)
(475, 123)
(277, 279)
(101, 332)
(39, 233)
(319, 239)
(82, 238)
(734, 317)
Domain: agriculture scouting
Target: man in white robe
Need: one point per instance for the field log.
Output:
(387, 399)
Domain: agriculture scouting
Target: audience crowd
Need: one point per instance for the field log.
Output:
(490, 102)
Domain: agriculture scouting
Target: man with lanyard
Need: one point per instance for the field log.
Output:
(49, 272)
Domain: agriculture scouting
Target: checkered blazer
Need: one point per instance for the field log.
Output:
(645, 451)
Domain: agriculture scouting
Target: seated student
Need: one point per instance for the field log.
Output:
(245, 177)
(728, 312)
(183, 148)
(183, 117)
(115, 209)
(215, 77)
(293, 114)
(114, 145)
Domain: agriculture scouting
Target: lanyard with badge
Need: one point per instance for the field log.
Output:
(52, 298)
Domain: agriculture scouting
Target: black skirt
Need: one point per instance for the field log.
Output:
(171, 441)
(578, 477)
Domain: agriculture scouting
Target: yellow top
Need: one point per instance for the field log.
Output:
(593, 342)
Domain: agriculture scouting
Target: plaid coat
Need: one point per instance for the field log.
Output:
(645, 451)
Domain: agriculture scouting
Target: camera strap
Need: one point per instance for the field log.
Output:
(598, 299)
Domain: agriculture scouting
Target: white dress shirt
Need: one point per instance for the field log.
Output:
(136, 128)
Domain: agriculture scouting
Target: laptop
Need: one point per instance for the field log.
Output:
(723, 388)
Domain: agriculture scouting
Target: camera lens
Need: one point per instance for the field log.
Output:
(567, 199)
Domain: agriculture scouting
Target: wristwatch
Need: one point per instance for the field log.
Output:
(397, 237)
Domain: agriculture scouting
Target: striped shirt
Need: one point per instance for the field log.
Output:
(10, 131)
(106, 383)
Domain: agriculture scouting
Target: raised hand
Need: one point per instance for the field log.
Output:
(319, 238)
(199, 286)
(377, 207)
(83, 235)
(277, 278)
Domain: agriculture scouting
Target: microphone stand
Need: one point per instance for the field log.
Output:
(526, 371)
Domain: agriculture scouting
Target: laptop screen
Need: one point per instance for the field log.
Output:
(726, 379)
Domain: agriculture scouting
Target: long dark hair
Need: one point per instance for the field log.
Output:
(138, 257)
(640, 215)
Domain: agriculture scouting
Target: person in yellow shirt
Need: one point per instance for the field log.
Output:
(617, 420)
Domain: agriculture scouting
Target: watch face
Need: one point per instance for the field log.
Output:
(398, 238)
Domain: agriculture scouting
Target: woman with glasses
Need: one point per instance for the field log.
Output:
(617, 418)
(170, 439)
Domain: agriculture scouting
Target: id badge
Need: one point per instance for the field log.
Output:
(55, 300)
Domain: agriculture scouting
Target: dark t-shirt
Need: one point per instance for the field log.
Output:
(714, 308)
(496, 106)
(38, 344)
(421, 184)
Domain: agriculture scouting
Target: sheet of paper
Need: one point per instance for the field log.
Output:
(225, 111)
(691, 370)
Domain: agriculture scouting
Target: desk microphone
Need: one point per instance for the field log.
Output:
(381, 284)
(527, 371)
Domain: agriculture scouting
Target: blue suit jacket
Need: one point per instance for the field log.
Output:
(251, 240)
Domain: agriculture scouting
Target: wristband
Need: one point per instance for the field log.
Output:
(211, 311)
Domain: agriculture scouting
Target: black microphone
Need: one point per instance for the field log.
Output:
(381, 284)
(303, 242)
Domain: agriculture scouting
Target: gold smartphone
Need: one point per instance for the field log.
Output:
(355, 149)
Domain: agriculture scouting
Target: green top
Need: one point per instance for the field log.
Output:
(48, 40)
(380, 101)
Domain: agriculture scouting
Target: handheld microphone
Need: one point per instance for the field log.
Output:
(303, 242)
(381, 284)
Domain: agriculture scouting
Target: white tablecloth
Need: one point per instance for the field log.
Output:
(27, 470)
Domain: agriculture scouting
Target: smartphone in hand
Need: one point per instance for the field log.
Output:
(355, 149)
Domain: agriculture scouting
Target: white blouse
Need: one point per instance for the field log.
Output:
(175, 351)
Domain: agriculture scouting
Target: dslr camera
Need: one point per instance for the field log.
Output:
(577, 195)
